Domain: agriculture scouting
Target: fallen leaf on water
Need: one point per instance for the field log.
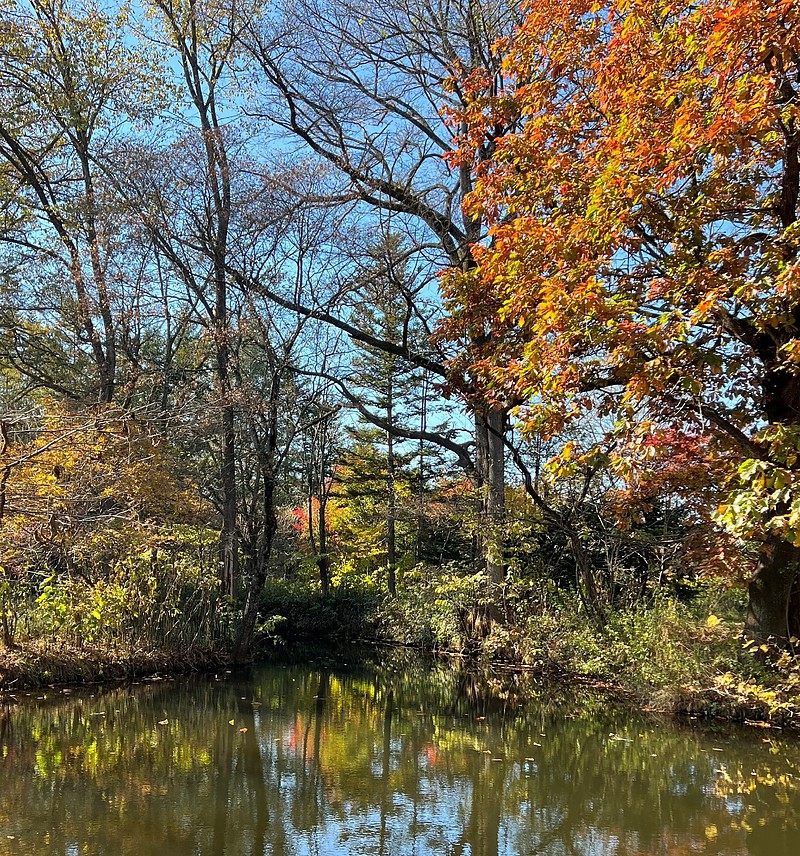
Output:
(242, 731)
(164, 722)
(231, 722)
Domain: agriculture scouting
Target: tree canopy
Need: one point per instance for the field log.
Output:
(518, 282)
(642, 268)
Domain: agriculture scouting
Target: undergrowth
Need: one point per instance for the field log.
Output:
(667, 652)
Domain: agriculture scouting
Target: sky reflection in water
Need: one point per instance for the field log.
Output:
(385, 760)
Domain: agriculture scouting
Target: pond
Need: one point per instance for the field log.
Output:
(384, 758)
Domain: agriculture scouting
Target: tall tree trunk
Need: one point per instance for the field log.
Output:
(490, 460)
(391, 504)
(108, 366)
(8, 635)
(490, 537)
(423, 424)
(323, 559)
(229, 538)
(770, 590)
(584, 576)
(794, 611)
(258, 573)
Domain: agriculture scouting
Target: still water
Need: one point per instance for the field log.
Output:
(326, 758)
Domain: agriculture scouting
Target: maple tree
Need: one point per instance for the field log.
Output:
(642, 266)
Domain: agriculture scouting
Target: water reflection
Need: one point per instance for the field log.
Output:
(319, 760)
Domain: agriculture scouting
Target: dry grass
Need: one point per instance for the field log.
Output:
(36, 664)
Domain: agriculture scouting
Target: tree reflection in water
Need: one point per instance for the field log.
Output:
(383, 760)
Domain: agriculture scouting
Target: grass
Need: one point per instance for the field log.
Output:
(34, 664)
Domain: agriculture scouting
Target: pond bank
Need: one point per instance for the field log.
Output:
(32, 665)
(725, 698)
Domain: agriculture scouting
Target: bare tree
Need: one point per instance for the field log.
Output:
(364, 88)
(69, 85)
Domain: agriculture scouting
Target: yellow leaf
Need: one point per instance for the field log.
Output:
(712, 621)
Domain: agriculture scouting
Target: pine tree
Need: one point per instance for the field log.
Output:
(389, 386)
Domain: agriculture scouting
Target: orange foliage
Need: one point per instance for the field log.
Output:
(642, 270)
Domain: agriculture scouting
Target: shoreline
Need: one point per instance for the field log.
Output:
(36, 666)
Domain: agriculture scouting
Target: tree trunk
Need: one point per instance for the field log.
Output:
(423, 424)
(794, 611)
(770, 590)
(585, 578)
(391, 504)
(8, 635)
(490, 460)
(257, 576)
(490, 537)
(229, 541)
(323, 560)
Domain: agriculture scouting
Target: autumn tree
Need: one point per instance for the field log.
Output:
(642, 269)
(70, 85)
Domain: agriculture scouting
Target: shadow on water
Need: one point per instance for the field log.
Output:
(388, 756)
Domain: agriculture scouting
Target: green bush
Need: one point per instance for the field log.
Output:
(159, 595)
(296, 610)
